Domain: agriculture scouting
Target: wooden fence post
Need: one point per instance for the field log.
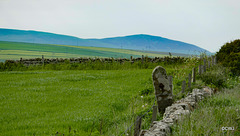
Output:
(154, 113)
(209, 63)
(189, 80)
(193, 75)
(42, 59)
(21, 60)
(200, 69)
(212, 60)
(137, 128)
(183, 86)
(170, 83)
(215, 60)
(204, 65)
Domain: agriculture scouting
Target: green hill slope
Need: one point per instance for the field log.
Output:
(16, 50)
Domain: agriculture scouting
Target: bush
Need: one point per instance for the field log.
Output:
(229, 56)
(217, 77)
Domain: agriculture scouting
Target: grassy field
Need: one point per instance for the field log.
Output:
(77, 102)
(16, 50)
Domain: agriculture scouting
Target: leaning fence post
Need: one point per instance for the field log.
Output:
(154, 113)
(193, 75)
(183, 86)
(162, 89)
(137, 128)
(189, 80)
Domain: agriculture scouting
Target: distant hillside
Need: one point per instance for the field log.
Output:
(152, 43)
(136, 42)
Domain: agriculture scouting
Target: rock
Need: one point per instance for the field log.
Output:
(175, 112)
(158, 128)
(162, 89)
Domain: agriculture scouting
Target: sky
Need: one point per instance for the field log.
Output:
(206, 23)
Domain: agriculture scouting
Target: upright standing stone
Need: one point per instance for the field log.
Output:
(142, 59)
(131, 58)
(162, 88)
(193, 75)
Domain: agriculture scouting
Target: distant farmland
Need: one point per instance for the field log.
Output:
(16, 50)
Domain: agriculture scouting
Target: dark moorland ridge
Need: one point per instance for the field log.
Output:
(134, 42)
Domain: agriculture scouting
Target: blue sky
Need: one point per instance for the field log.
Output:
(206, 23)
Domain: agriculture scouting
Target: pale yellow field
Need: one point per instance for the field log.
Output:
(118, 50)
(14, 54)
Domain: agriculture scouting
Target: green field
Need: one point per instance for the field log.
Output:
(16, 50)
(78, 102)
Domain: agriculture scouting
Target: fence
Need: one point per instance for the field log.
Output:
(163, 91)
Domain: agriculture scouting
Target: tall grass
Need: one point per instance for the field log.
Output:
(212, 114)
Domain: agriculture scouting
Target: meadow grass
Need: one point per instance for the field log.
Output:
(78, 102)
(44, 102)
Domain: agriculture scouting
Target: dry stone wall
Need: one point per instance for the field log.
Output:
(40, 61)
(175, 112)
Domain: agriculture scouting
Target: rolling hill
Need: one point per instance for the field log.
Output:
(140, 42)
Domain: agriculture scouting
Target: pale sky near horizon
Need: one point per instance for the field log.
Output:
(205, 23)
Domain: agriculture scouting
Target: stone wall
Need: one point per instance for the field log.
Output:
(175, 112)
(39, 61)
